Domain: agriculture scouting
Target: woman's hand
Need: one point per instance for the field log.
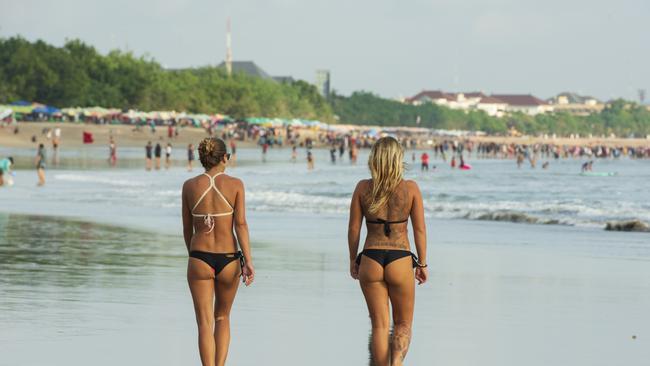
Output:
(421, 274)
(248, 273)
(354, 269)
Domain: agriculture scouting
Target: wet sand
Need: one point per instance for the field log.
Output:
(499, 294)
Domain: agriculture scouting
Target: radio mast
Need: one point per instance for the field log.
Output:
(228, 49)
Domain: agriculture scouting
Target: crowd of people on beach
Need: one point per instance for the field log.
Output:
(454, 151)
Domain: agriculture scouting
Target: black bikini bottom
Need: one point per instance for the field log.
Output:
(218, 261)
(386, 256)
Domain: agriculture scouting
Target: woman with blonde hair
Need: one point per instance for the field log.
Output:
(385, 266)
(214, 222)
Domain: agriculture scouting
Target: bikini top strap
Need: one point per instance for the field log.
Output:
(212, 186)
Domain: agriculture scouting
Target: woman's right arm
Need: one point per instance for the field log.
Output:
(188, 225)
(419, 232)
(354, 229)
(241, 230)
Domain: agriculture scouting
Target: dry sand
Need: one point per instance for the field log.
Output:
(71, 136)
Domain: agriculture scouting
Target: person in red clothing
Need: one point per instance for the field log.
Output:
(424, 158)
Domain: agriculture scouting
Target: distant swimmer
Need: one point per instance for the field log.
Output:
(545, 165)
(190, 157)
(6, 171)
(157, 151)
(424, 158)
(453, 162)
(386, 268)
(294, 153)
(168, 155)
(148, 155)
(587, 166)
(217, 241)
(41, 158)
(520, 160)
(333, 154)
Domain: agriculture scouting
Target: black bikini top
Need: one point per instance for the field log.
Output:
(386, 224)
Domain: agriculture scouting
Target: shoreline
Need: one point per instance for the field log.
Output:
(127, 136)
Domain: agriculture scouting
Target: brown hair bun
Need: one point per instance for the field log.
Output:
(211, 151)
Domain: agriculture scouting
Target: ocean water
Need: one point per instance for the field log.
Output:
(92, 265)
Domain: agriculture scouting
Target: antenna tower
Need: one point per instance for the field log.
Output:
(228, 49)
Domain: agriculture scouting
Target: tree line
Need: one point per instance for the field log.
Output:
(77, 75)
(619, 117)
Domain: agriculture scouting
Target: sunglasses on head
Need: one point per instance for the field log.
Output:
(227, 156)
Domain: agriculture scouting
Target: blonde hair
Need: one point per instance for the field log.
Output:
(211, 151)
(387, 168)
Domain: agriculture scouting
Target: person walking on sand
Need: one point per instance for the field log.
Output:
(168, 155)
(41, 158)
(214, 223)
(384, 268)
(148, 155)
(157, 151)
(190, 157)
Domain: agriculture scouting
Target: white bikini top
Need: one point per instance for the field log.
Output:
(208, 219)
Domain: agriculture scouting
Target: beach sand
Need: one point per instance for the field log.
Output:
(126, 136)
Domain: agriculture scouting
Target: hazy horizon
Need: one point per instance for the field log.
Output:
(386, 47)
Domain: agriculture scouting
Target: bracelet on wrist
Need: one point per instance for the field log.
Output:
(420, 265)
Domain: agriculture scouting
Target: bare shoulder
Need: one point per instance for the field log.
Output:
(234, 181)
(190, 183)
(363, 184)
(412, 186)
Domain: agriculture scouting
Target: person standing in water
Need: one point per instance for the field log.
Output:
(190, 157)
(56, 140)
(233, 153)
(112, 152)
(294, 153)
(425, 161)
(385, 266)
(214, 223)
(148, 155)
(168, 155)
(41, 158)
(157, 152)
(310, 160)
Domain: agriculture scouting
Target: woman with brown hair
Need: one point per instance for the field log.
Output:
(214, 222)
(385, 266)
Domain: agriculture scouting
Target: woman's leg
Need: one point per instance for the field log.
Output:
(41, 176)
(201, 280)
(226, 289)
(401, 290)
(371, 278)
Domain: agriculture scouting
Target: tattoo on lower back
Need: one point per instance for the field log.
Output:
(388, 245)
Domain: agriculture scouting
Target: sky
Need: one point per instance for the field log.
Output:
(394, 48)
